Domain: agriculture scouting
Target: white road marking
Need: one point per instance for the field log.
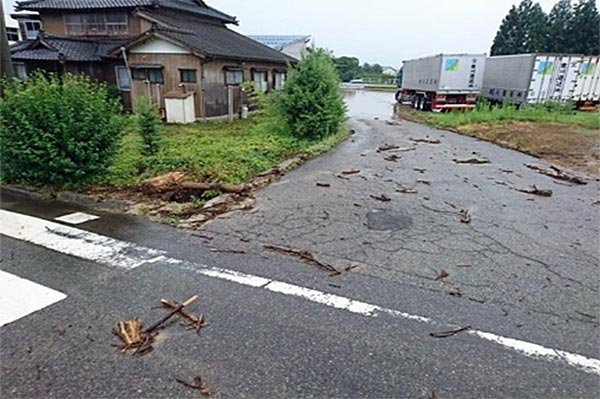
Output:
(71, 241)
(20, 297)
(76, 218)
(111, 252)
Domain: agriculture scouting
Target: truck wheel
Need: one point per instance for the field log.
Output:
(421, 104)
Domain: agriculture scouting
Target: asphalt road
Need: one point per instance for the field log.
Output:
(532, 276)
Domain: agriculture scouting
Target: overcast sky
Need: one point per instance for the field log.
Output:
(377, 31)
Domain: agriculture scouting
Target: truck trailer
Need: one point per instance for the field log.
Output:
(587, 88)
(442, 82)
(536, 78)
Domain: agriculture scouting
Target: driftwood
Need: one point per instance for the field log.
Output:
(537, 191)
(426, 140)
(446, 334)
(163, 183)
(305, 255)
(471, 161)
(224, 188)
(557, 173)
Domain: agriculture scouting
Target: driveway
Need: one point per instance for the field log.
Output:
(530, 262)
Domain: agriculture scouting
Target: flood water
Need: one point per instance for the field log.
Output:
(369, 104)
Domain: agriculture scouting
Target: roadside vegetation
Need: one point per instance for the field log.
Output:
(553, 132)
(67, 132)
(56, 131)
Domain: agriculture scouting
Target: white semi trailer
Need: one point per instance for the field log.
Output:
(538, 78)
(442, 82)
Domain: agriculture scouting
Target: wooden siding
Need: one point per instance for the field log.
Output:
(53, 23)
(172, 63)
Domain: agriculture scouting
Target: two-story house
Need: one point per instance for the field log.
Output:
(156, 48)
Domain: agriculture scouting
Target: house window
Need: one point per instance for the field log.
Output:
(109, 23)
(12, 34)
(123, 82)
(32, 29)
(279, 78)
(153, 75)
(260, 80)
(20, 71)
(187, 75)
(234, 76)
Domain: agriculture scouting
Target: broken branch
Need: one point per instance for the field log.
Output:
(446, 334)
(305, 255)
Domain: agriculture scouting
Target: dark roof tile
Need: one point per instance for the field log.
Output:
(77, 50)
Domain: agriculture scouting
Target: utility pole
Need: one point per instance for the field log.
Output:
(6, 67)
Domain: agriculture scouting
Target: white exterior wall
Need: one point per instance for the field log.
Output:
(588, 80)
(157, 46)
(296, 50)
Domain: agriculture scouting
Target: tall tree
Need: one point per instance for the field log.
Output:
(523, 30)
(535, 26)
(583, 29)
(348, 68)
(507, 40)
(559, 22)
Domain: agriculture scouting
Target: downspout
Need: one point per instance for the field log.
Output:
(131, 85)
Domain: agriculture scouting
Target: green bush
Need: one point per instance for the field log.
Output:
(311, 103)
(149, 125)
(59, 131)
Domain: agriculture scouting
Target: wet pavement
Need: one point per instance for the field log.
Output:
(525, 267)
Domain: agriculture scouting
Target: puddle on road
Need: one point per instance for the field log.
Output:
(383, 220)
(369, 104)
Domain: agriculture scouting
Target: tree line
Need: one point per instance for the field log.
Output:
(568, 28)
(349, 68)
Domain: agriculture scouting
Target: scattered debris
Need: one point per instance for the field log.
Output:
(536, 191)
(442, 275)
(133, 337)
(350, 172)
(204, 237)
(392, 122)
(357, 205)
(229, 251)
(163, 183)
(392, 158)
(464, 265)
(334, 286)
(446, 334)
(465, 216)
(506, 170)
(406, 190)
(382, 198)
(426, 182)
(456, 293)
(323, 184)
(420, 170)
(426, 140)
(197, 384)
(476, 300)
(305, 255)
(388, 147)
(195, 322)
(471, 161)
(557, 173)
(350, 267)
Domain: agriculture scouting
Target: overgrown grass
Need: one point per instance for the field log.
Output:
(215, 151)
(540, 113)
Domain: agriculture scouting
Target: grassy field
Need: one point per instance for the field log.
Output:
(557, 135)
(213, 151)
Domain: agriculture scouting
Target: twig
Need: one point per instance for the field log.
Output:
(171, 314)
(305, 255)
(446, 334)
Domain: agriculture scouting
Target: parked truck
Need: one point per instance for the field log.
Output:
(538, 78)
(587, 88)
(442, 82)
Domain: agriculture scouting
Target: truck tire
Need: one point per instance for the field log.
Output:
(421, 103)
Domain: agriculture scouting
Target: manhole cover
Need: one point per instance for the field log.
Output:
(387, 220)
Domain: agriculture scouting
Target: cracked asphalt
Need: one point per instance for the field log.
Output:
(530, 257)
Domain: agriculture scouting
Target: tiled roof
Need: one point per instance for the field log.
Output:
(278, 42)
(212, 40)
(190, 6)
(71, 49)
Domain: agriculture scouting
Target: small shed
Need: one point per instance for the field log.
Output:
(180, 107)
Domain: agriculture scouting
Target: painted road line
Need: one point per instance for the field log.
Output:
(76, 218)
(20, 297)
(80, 243)
(86, 245)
